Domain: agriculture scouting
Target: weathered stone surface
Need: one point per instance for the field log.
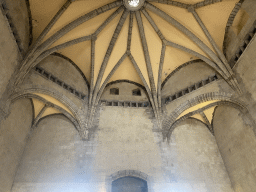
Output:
(125, 92)
(236, 142)
(9, 53)
(55, 158)
(18, 16)
(192, 161)
(13, 136)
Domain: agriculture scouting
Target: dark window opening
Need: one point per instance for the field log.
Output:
(114, 91)
(136, 92)
(129, 184)
(46, 74)
(65, 86)
(186, 91)
(59, 82)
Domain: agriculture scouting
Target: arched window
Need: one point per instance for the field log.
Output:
(136, 92)
(129, 184)
(114, 91)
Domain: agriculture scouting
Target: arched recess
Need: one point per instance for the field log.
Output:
(55, 158)
(128, 184)
(125, 91)
(194, 162)
(131, 174)
(190, 72)
(76, 115)
(14, 131)
(221, 99)
(237, 143)
(58, 72)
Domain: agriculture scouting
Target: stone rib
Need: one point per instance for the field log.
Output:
(107, 21)
(216, 48)
(144, 82)
(108, 53)
(45, 31)
(58, 47)
(92, 69)
(184, 30)
(130, 32)
(160, 71)
(146, 55)
(109, 76)
(61, 33)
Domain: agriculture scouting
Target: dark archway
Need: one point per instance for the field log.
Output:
(129, 184)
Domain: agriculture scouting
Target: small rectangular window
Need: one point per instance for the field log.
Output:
(114, 91)
(136, 92)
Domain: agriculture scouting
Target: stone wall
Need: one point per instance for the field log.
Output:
(9, 54)
(13, 136)
(237, 143)
(18, 16)
(125, 92)
(126, 142)
(190, 73)
(233, 41)
(65, 70)
(55, 159)
(192, 161)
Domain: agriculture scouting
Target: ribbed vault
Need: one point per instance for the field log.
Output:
(109, 41)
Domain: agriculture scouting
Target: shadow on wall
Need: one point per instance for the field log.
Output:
(237, 144)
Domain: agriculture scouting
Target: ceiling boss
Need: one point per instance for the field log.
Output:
(133, 5)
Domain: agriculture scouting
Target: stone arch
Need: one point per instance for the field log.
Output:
(125, 91)
(222, 97)
(128, 173)
(73, 64)
(78, 119)
(184, 65)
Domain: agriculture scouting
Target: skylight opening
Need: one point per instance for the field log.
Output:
(134, 3)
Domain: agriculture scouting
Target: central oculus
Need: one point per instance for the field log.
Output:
(133, 5)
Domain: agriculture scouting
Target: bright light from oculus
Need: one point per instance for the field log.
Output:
(134, 3)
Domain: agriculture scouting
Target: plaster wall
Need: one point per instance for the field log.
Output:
(55, 159)
(237, 144)
(13, 136)
(192, 161)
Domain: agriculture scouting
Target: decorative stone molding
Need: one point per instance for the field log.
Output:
(169, 120)
(60, 83)
(230, 22)
(189, 89)
(135, 104)
(78, 112)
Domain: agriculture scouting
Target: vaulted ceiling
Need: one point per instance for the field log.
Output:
(214, 16)
(111, 40)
